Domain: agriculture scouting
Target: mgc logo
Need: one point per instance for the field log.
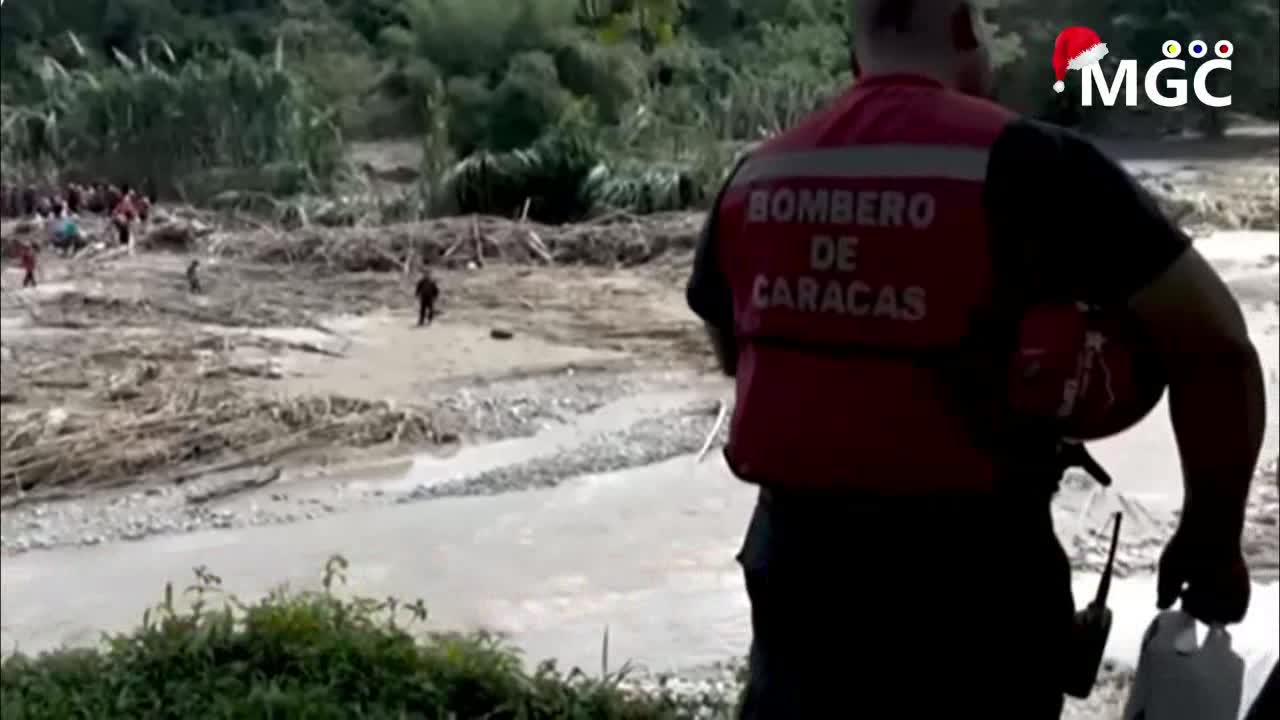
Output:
(1079, 48)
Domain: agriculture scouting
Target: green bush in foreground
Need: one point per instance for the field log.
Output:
(311, 655)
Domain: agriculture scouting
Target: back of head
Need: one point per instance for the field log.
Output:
(941, 39)
(892, 24)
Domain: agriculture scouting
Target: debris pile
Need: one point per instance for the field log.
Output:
(175, 234)
(615, 240)
(169, 411)
(185, 434)
(1251, 204)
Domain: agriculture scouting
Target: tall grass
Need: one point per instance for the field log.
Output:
(139, 120)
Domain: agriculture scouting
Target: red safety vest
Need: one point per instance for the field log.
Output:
(857, 250)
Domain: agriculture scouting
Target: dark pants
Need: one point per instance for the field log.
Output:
(426, 310)
(904, 610)
(28, 278)
(122, 232)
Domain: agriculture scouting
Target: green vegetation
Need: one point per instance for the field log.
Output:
(312, 655)
(171, 124)
(648, 100)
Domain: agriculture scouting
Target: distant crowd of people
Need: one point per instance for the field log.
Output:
(75, 198)
(60, 212)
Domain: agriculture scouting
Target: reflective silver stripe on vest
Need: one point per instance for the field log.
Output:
(943, 162)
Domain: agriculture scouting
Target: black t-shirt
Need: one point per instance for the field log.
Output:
(1072, 222)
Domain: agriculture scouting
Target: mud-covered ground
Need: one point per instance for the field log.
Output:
(133, 407)
(128, 399)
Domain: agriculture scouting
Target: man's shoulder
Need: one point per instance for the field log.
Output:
(1062, 157)
(1032, 139)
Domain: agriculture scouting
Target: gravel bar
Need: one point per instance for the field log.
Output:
(169, 510)
(644, 443)
(525, 406)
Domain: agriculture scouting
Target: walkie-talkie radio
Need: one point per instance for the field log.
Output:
(1092, 627)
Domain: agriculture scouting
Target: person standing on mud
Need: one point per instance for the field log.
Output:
(96, 199)
(193, 277)
(44, 206)
(427, 291)
(112, 196)
(74, 198)
(54, 223)
(864, 277)
(27, 259)
(123, 214)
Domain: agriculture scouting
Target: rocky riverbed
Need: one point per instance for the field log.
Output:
(713, 690)
(486, 412)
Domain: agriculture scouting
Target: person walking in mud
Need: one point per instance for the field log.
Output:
(27, 260)
(427, 291)
(193, 277)
(73, 197)
(867, 277)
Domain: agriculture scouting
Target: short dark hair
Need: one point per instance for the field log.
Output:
(895, 15)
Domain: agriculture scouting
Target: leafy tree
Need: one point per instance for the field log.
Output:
(652, 79)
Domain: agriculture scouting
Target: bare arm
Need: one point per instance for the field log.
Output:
(1126, 253)
(709, 293)
(1217, 399)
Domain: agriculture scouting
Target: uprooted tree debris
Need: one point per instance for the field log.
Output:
(615, 240)
(183, 435)
(166, 411)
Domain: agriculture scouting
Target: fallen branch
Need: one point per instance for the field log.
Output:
(534, 243)
(478, 240)
(261, 480)
(453, 248)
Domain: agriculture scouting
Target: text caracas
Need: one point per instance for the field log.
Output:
(831, 252)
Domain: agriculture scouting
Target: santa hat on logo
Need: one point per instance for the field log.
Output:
(1075, 49)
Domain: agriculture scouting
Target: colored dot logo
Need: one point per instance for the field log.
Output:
(1198, 49)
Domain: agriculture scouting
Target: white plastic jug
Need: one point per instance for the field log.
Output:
(1189, 671)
